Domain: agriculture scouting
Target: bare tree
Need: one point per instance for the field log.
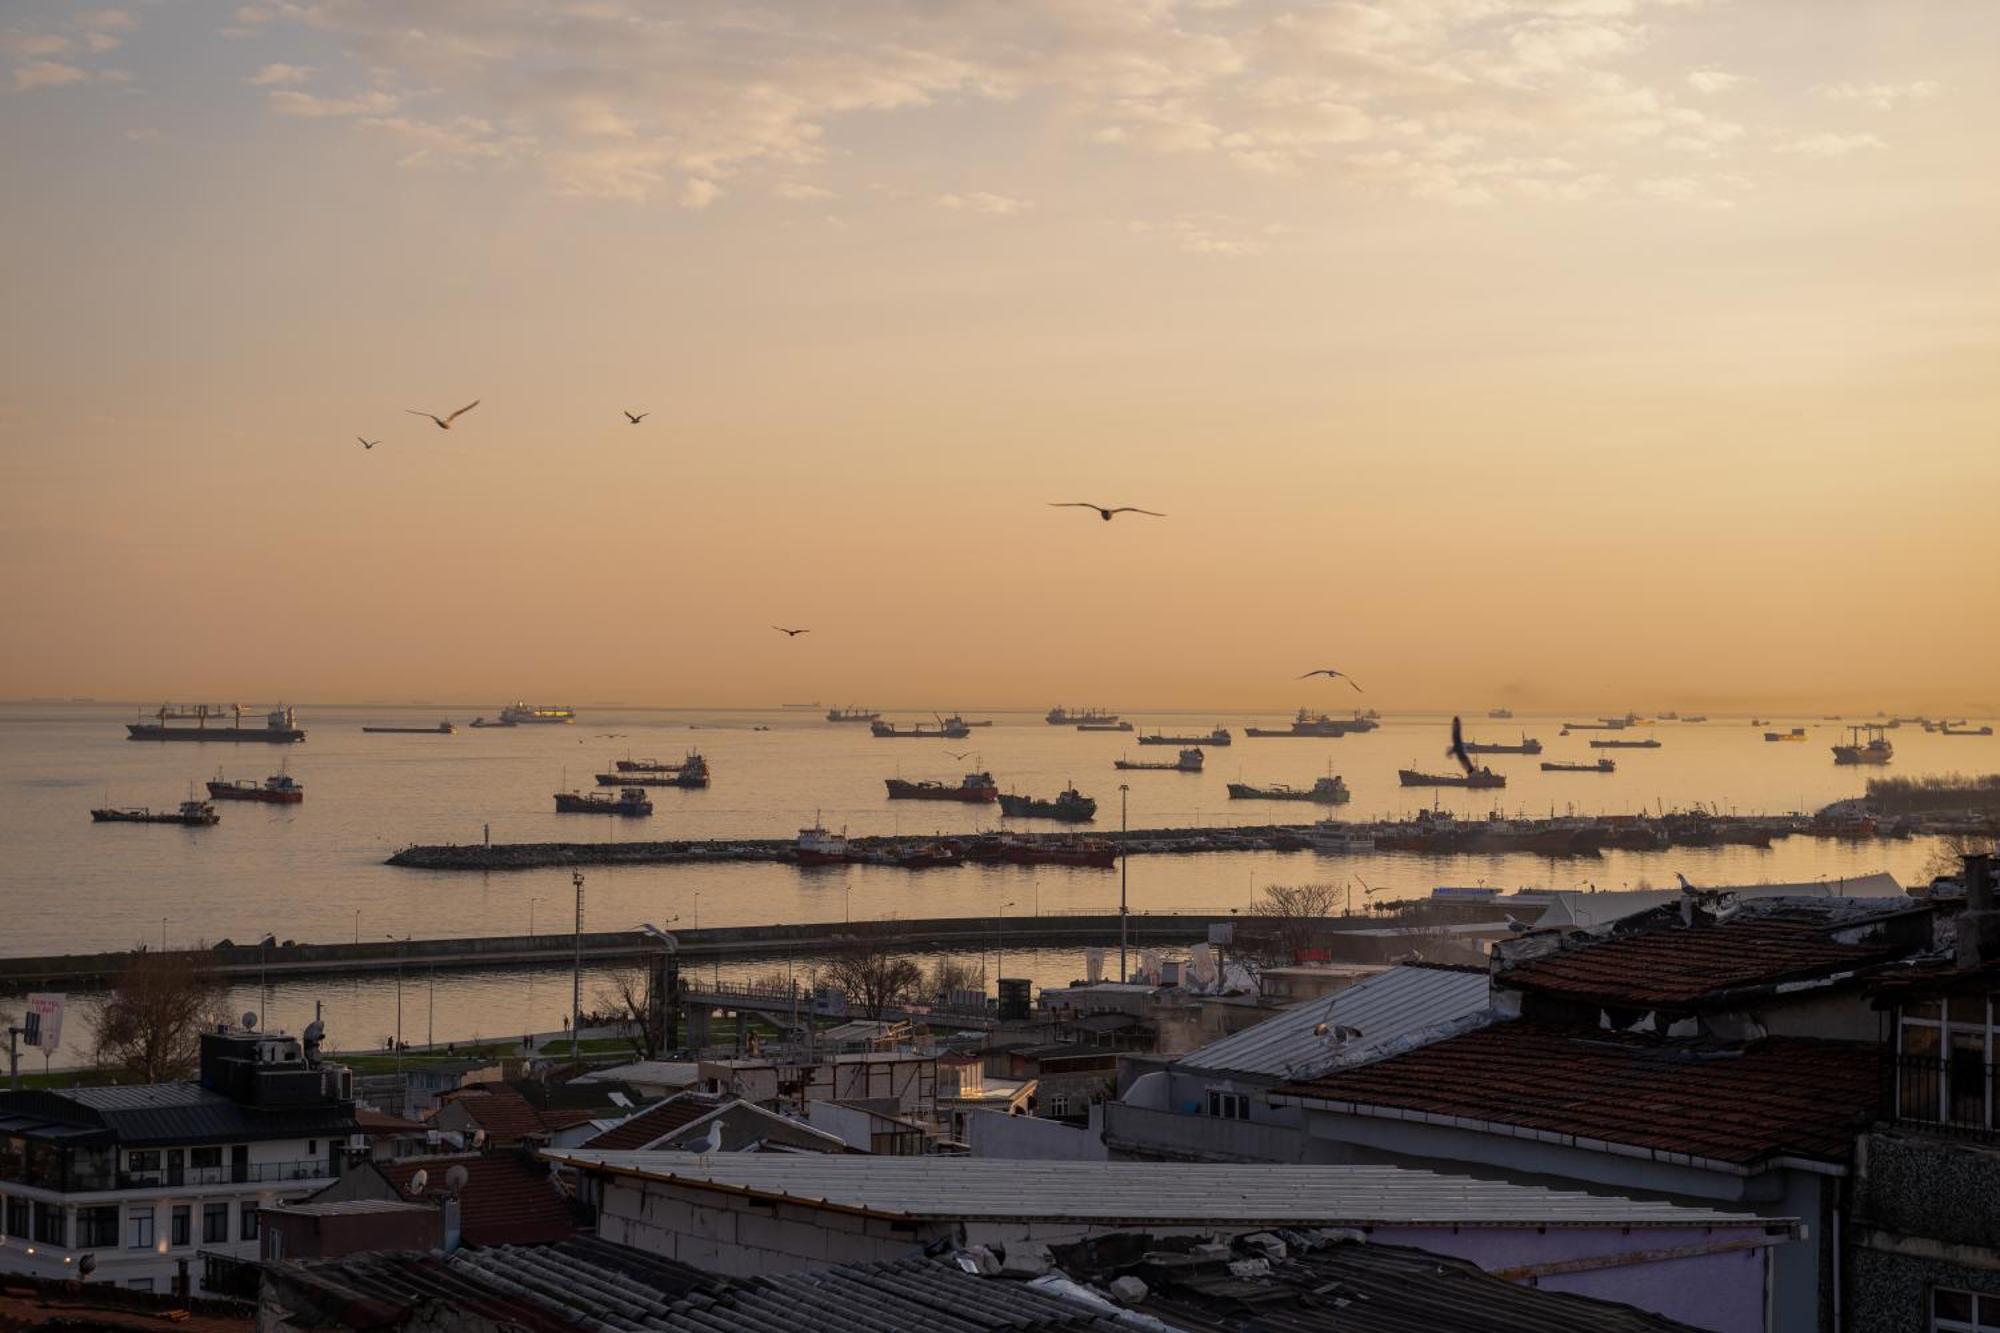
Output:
(151, 1026)
(952, 974)
(872, 978)
(628, 995)
(1948, 853)
(1299, 913)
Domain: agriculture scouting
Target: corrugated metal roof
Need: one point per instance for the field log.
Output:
(169, 1113)
(1572, 907)
(1146, 1193)
(1390, 1004)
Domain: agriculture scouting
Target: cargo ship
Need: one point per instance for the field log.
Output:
(628, 801)
(1104, 726)
(690, 773)
(1874, 750)
(1601, 766)
(973, 789)
(278, 789)
(1478, 777)
(852, 715)
(1526, 745)
(955, 720)
(1072, 807)
(192, 814)
(1190, 761)
(1328, 790)
(280, 727)
(1960, 729)
(947, 729)
(1309, 723)
(441, 729)
(1220, 736)
(1063, 717)
(1650, 743)
(518, 714)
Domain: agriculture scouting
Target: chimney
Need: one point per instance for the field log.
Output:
(1979, 923)
(452, 1231)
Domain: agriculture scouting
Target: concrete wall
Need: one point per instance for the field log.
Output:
(1025, 1137)
(1141, 1133)
(1926, 1214)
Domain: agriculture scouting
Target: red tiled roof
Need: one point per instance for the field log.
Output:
(1680, 967)
(507, 1116)
(506, 1200)
(1776, 1097)
(653, 1123)
(371, 1121)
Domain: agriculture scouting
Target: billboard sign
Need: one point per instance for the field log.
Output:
(42, 1027)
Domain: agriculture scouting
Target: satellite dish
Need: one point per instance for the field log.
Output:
(419, 1181)
(454, 1180)
(249, 1020)
(479, 1138)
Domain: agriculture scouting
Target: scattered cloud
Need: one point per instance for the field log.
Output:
(30, 45)
(107, 20)
(800, 190)
(699, 193)
(1220, 235)
(1882, 96)
(979, 201)
(47, 74)
(1709, 79)
(274, 75)
(287, 102)
(1830, 145)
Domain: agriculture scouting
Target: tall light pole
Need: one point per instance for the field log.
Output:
(401, 954)
(576, 975)
(531, 919)
(1124, 855)
(163, 934)
(1000, 944)
(357, 925)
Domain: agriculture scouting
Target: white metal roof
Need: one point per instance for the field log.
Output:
(1575, 907)
(1145, 1193)
(1390, 1004)
(654, 1073)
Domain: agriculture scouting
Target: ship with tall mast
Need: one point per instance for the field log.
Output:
(280, 725)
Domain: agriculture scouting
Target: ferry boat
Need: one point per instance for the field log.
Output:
(1478, 777)
(1526, 745)
(1063, 717)
(1331, 837)
(1071, 807)
(1329, 790)
(441, 729)
(1650, 743)
(518, 714)
(973, 789)
(191, 814)
(278, 789)
(1601, 766)
(628, 801)
(1220, 736)
(1189, 762)
(280, 726)
(1309, 723)
(946, 730)
(817, 847)
(852, 715)
(1795, 734)
(1875, 749)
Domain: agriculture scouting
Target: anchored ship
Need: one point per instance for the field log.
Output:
(947, 729)
(628, 801)
(1650, 743)
(973, 789)
(1874, 750)
(817, 847)
(1072, 807)
(518, 714)
(280, 728)
(691, 772)
(1329, 790)
(1332, 837)
(1113, 725)
(1063, 717)
(1795, 734)
(956, 720)
(1526, 745)
(1601, 766)
(192, 814)
(1500, 714)
(1478, 777)
(1189, 762)
(852, 715)
(278, 789)
(441, 729)
(1220, 736)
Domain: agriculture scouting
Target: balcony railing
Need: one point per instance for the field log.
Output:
(249, 1173)
(1957, 1094)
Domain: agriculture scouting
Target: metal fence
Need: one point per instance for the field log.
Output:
(1956, 1092)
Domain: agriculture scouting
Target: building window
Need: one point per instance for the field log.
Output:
(215, 1224)
(249, 1230)
(17, 1217)
(49, 1225)
(139, 1229)
(183, 1232)
(1059, 1105)
(204, 1157)
(1945, 1066)
(97, 1228)
(1229, 1105)
(147, 1160)
(1962, 1312)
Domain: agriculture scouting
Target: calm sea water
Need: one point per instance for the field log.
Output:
(314, 871)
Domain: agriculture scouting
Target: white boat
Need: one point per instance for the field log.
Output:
(1331, 837)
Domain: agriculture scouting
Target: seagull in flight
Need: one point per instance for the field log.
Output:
(636, 420)
(1102, 512)
(1458, 746)
(368, 444)
(444, 423)
(790, 633)
(1331, 674)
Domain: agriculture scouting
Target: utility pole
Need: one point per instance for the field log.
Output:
(1124, 857)
(576, 975)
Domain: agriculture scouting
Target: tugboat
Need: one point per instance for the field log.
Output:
(1309, 723)
(817, 847)
(1650, 743)
(1063, 717)
(192, 814)
(1189, 762)
(278, 789)
(1072, 807)
(518, 714)
(691, 773)
(852, 715)
(1875, 750)
(1329, 790)
(629, 801)
(1220, 736)
(1478, 777)
(441, 729)
(1601, 766)
(973, 789)
(280, 727)
(1527, 745)
(947, 729)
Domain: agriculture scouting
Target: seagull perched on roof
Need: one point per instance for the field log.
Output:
(636, 420)
(1331, 674)
(1685, 886)
(443, 423)
(1102, 512)
(709, 1142)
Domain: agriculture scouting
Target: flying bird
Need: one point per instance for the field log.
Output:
(1458, 746)
(1102, 512)
(444, 423)
(368, 444)
(790, 633)
(1331, 674)
(636, 420)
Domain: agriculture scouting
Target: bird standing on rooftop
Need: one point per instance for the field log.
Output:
(443, 423)
(1103, 512)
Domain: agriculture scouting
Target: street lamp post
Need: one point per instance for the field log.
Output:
(1124, 857)
(401, 954)
(357, 925)
(576, 975)
(1000, 944)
